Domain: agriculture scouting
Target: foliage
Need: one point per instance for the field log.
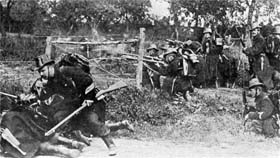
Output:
(21, 49)
(158, 108)
(211, 11)
(140, 107)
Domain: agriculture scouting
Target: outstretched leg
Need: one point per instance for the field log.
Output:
(47, 148)
(119, 126)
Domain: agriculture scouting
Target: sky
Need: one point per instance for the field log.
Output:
(160, 8)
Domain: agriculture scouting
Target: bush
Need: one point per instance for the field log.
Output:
(158, 108)
(143, 106)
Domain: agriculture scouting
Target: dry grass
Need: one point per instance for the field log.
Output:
(212, 116)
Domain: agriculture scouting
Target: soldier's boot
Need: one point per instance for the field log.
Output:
(110, 144)
(127, 125)
(80, 137)
(59, 149)
(120, 125)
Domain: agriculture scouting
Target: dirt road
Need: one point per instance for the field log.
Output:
(167, 149)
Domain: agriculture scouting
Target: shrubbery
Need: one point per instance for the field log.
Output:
(157, 108)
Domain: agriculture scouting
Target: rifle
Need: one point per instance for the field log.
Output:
(176, 42)
(146, 58)
(9, 95)
(245, 103)
(30, 107)
(239, 36)
(11, 139)
(247, 108)
(86, 103)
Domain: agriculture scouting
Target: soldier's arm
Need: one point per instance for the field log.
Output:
(40, 91)
(267, 109)
(33, 95)
(257, 48)
(265, 112)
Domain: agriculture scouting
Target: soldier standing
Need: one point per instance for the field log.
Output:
(273, 46)
(211, 56)
(263, 118)
(257, 58)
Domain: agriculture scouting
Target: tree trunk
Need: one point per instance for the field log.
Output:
(176, 25)
(251, 12)
(2, 28)
(249, 23)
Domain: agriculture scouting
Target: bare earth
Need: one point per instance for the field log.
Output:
(129, 148)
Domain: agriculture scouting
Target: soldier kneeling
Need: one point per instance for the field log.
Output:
(263, 119)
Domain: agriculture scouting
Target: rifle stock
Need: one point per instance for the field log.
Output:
(245, 103)
(11, 139)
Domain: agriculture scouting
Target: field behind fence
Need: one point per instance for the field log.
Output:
(106, 57)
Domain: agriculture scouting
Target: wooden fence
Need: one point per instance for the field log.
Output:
(107, 60)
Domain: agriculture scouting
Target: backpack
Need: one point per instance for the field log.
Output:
(74, 59)
(275, 98)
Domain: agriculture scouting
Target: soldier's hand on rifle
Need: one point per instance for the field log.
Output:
(26, 99)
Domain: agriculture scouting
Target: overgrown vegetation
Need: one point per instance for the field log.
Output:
(20, 48)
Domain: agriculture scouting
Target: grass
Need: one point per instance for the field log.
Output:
(211, 117)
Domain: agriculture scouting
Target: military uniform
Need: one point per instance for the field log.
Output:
(70, 83)
(150, 69)
(212, 52)
(259, 63)
(263, 120)
(273, 48)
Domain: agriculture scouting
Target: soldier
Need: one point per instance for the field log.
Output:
(273, 47)
(151, 72)
(153, 50)
(263, 118)
(207, 41)
(71, 82)
(257, 58)
(276, 35)
(211, 56)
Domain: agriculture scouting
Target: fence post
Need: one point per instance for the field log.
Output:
(48, 50)
(140, 59)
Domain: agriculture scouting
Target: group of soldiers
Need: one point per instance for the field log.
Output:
(60, 90)
(265, 117)
(265, 114)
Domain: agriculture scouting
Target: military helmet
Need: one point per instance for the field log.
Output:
(43, 60)
(152, 46)
(255, 82)
(255, 26)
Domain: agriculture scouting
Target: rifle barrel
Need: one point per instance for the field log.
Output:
(51, 131)
(9, 95)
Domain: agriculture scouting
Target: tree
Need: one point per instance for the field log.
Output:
(133, 13)
(209, 11)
